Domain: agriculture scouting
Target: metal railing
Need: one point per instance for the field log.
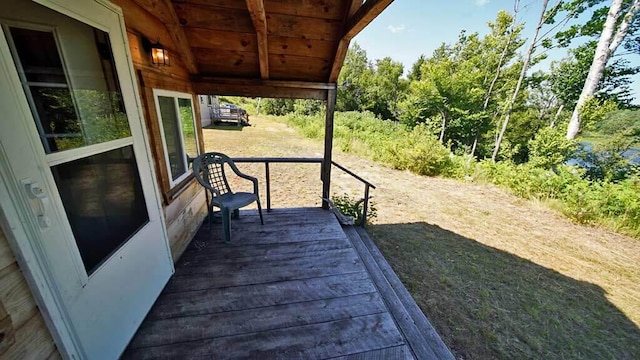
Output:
(270, 160)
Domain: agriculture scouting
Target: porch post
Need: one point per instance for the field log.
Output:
(328, 146)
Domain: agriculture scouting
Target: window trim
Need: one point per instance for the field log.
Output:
(176, 95)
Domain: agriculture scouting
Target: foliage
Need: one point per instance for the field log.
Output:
(449, 91)
(364, 86)
(594, 111)
(277, 107)
(567, 77)
(546, 177)
(550, 148)
(352, 207)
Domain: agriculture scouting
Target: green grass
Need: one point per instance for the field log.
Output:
(489, 304)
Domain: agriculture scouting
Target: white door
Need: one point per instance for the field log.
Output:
(74, 151)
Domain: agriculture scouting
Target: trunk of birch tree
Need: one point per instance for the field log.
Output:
(523, 72)
(609, 40)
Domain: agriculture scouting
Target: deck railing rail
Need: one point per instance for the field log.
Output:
(269, 160)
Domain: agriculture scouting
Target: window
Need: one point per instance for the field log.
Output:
(178, 129)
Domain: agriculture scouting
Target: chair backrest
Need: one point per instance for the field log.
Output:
(211, 166)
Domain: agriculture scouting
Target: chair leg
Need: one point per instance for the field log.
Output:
(210, 216)
(236, 214)
(226, 224)
(260, 212)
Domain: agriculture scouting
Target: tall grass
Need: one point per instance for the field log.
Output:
(615, 205)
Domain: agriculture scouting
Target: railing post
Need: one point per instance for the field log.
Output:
(365, 206)
(328, 146)
(268, 179)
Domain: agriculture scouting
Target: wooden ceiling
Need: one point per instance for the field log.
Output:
(266, 41)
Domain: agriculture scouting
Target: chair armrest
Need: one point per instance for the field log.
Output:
(244, 176)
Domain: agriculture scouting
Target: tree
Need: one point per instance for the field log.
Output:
(523, 72)
(353, 80)
(620, 17)
(566, 78)
(458, 90)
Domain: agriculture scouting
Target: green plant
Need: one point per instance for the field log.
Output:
(352, 207)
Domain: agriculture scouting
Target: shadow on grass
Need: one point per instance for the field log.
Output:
(487, 303)
(229, 126)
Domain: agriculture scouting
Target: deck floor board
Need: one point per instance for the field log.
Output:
(295, 288)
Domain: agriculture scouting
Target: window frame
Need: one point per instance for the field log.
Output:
(176, 95)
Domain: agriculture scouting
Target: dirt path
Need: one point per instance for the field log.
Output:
(483, 213)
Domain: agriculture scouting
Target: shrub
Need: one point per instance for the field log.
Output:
(550, 148)
(352, 207)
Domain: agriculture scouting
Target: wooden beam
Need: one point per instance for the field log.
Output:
(163, 10)
(343, 44)
(271, 83)
(365, 15)
(328, 147)
(261, 88)
(341, 54)
(259, 19)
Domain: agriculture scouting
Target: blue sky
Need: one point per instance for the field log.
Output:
(409, 28)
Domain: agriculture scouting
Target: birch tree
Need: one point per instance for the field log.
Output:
(614, 31)
(523, 72)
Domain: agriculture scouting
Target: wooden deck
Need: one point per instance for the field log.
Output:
(299, 287)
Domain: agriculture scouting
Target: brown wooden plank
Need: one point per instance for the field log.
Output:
(259, 19)
(420, 320)
(182, 230)
(304, 28)
(164, 11)
(292, 66)
(7, 336)
(323, 9)
(280, 45)
(219, 39)
(274, 235)
(365, 15)
(32, 341)
(192, 328)
(228, 254)
(216, 300)
(287, 262)
(6, 255)
(226, 57)
(415, 339)
(305, 269)
(341, 54)
(209, 17)
(253, 90)
(322, 340)
(248, 71)
(228, 4)
(16, 295)
(397, 353)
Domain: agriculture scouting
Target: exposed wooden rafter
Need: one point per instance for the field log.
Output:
(164, 11)
(261, 88)
(360, 15)
(259, 19)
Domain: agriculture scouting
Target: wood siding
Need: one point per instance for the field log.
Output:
(23, 333)
(184, 204)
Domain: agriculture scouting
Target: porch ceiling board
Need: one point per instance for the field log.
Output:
(287, 40)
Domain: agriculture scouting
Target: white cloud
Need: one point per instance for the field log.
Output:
(396, 29)
(481, 2)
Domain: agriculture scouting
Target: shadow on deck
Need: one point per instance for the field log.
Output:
(299, 287)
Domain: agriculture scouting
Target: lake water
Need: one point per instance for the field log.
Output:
(632, 154)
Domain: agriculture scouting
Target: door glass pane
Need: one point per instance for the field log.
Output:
(76, 102)
(103, 200)
(168, 116)
(188, 127)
